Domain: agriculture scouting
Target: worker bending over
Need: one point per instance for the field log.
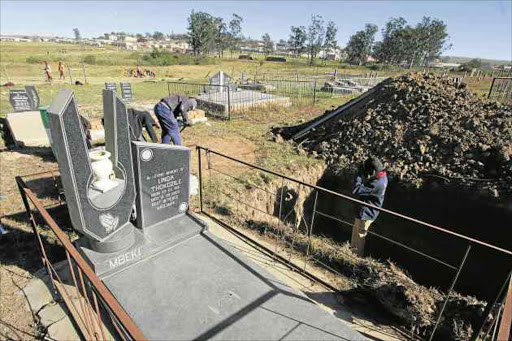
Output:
(142, 119)
(168, 110)
(370, 187)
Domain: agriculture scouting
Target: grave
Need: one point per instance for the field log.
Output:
(33, 97)
(111, 86)
(238, 100)
(19, 100)
(126, 91)
(174, 278)
(27, 129)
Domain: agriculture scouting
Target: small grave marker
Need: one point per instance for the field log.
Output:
(33, 97)
(126, 91)
(19, 100)
(111, 86)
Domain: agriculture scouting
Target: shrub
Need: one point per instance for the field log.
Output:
(34, 59)
(90, 59)
(160, 57)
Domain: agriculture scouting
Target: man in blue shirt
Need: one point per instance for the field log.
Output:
(370, 187)
(168, 110)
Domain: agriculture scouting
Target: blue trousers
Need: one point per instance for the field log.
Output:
(169, 124)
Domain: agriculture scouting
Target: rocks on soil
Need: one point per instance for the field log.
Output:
(422, 126)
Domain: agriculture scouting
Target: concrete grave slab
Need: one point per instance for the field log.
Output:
(222, 295)
(27, 129)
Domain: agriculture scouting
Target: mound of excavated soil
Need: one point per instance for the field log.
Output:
(423, 125)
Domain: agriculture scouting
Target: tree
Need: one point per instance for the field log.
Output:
(330, 43)
(201, 32)
(158, 36)
(268, 44)
(235, 33)
(403, 44)
(298, 39)
(221, 35)
(360, 45)
(316, 33)
(76, 32)
(474, 63)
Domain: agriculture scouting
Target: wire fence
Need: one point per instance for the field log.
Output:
(501, 89)
(288, 211)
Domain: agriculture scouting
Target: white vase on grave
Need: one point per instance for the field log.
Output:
(103, 170)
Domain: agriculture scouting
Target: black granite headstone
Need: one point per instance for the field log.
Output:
(33, 97)
(162, 175)
(102, 217)
(19, 100)
(111, 86)
(126, 91)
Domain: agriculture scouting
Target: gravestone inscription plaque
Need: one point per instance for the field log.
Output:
(126, 91)
(103, 217)
(33, 97)
(111, 86)
(162, 175)
(19, 100)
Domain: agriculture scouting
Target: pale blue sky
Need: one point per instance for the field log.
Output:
(477, 28)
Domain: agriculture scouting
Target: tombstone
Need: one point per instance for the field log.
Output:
(162, 175)
(126, 91)
(168, 274)
(33, 97)
(101, 213)
(219, 81)
(19, 100)
(111, 86)
(244, 77)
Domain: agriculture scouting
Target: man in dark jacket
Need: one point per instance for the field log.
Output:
(370, 187)
(168, 110)
(138, 121)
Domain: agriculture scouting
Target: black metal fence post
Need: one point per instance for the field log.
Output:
(314, 91)
(489, 308)
(198, 149)
(229, 102)
(450, 291)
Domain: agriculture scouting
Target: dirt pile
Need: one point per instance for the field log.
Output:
(424, 125)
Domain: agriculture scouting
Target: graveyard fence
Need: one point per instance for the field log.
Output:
(273, 213)
(96, 312)
(233, 101)
(501, 89)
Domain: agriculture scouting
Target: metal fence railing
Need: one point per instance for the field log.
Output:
(501, 89)
(275, 213)
(232, 101)
(262, 93)
(96, 312)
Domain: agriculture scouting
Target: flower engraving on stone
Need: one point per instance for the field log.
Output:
(109, 222)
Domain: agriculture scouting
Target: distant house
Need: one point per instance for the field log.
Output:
(16, 39)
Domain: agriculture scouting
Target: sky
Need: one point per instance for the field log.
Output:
(480, 29)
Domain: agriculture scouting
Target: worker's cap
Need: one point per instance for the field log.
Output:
(373, 164)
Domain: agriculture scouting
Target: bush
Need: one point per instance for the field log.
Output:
(380, 67)
(161, 58)
(34, 59)
(90, 59)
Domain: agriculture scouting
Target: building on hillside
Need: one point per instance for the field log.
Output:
(15, 39)
(110, 37)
